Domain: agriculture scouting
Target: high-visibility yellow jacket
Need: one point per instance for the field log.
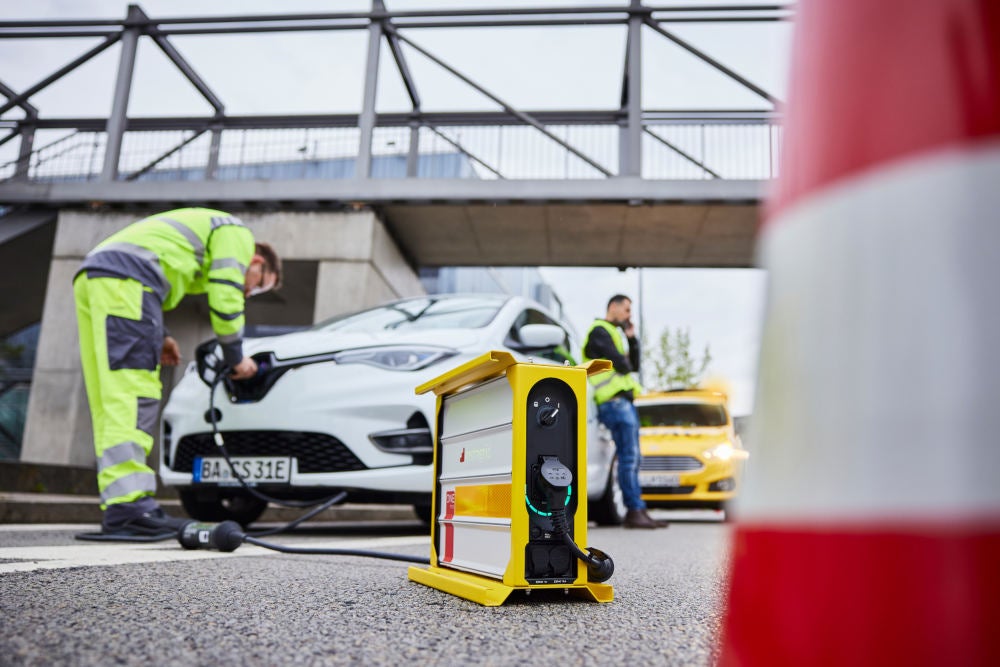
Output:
(610, 383)
(185, 251)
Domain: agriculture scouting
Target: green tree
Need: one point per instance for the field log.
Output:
(671, 363)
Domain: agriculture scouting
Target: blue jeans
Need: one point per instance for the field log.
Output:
(621, 418)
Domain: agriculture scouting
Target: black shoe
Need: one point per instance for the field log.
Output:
(153, 523)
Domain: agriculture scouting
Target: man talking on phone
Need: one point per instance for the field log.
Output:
(613, 338)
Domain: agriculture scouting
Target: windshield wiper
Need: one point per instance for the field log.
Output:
(410, 317)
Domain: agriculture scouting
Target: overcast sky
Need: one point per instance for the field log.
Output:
(531, 68)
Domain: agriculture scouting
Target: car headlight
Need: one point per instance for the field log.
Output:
(722, 451)
(396, 357)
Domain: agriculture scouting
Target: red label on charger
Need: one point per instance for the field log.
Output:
(449, 505)
(449, 529)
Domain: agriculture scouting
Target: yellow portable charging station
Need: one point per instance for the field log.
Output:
(510, 448)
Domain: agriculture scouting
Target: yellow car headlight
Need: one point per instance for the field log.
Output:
(722, 451)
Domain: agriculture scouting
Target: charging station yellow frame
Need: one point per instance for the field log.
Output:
(522, 377)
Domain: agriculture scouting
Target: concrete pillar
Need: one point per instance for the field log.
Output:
(332, 298)
(334, 263)
(58, 415)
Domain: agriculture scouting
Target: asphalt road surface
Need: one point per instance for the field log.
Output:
(66, 602)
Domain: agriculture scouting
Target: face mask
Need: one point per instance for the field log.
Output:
(258, 290)
(261, 289)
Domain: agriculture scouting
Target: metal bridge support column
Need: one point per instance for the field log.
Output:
(630, 138)
(123, 86)
(366, 121)
(413, 156)
(213, 154)
(24, 151)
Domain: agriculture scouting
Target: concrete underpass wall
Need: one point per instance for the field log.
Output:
(24, 253)
(334, 263)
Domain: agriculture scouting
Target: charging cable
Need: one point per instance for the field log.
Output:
(554, 480)
(228, 536)
(220, 443)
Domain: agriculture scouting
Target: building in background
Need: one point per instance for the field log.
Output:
(523, 281)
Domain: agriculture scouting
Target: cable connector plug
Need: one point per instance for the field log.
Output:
(225, 536)
(555, 478)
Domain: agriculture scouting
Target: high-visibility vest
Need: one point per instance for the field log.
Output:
(185, 251)
(610, 383)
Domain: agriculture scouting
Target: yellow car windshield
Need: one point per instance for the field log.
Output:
(682, 414)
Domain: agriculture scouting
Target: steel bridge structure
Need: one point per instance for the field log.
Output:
(629, 186)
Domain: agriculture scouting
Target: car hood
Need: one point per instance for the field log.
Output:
(664, 441)
(303, 343)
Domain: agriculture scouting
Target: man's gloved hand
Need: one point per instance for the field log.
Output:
(244, 370)
(171, 353)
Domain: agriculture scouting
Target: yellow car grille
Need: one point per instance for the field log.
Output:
(670, 463)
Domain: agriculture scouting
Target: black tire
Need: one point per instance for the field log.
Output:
(244, 509)
(423, 513)
(609, 509)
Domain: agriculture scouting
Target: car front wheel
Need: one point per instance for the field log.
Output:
(244, 509)
(609, 509)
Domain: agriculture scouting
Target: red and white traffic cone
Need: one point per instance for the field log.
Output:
(869, 530)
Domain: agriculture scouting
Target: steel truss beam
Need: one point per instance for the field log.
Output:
(701, 55)
(462, 149)
(526, 118)
(687, 156)
(630, 117)
(492, 17)
(339, 193)
(60, 73)
(404, 119)
(149, 167)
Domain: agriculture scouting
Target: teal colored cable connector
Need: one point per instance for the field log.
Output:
(527, 501)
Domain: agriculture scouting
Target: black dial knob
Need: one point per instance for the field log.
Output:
(547, 415)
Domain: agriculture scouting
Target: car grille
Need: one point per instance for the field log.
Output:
(315, 452)
(670, 463)
(669, 490)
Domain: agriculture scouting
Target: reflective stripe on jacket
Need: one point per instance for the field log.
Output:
(610, 383)
(186, 251)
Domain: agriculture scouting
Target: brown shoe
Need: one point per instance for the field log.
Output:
(639, 519)
(659, 523)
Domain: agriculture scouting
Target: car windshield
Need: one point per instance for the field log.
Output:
(681, 414)
(419, 314)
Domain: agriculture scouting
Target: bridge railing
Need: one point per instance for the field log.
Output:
(510, 143)
(745, 148)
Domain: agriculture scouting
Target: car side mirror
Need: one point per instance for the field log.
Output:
(540, 336)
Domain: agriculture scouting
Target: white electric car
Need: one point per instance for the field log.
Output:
(334, 408)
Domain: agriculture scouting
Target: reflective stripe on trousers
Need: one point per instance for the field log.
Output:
(121, 333)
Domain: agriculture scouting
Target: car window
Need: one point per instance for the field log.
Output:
(681, 414)
(560, 353)
(418, 314)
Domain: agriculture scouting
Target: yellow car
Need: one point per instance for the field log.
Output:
(691, 455)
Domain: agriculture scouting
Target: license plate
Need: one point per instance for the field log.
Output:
(253, 469)
(659, 479)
